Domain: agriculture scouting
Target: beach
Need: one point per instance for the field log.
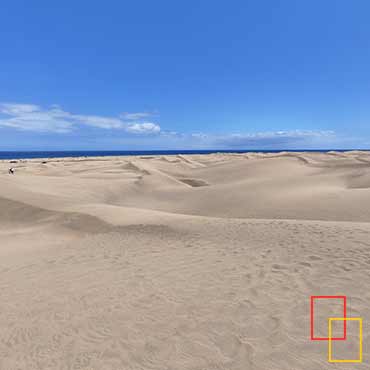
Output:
(180, 261)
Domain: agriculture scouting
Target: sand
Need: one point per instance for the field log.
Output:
(198, 262)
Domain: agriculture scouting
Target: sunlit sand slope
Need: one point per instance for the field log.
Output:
(180, 262)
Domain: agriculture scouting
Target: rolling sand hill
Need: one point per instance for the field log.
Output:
(198, 262)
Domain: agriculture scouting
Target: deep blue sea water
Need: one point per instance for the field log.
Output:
(105, 153)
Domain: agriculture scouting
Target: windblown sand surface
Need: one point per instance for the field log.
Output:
(198, 262)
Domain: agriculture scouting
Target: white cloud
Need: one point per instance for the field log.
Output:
(135, 116)
(16, 109)
(271, 139)
(295, 139)
(100, 122)
(141, 130)
(145, 127)
(29, 117)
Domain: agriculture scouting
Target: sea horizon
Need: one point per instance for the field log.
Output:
(34, 154)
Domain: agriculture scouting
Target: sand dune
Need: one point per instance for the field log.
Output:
(180, 262)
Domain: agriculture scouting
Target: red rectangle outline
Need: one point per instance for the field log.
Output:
(312, 315)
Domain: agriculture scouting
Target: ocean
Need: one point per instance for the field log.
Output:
(106, 153)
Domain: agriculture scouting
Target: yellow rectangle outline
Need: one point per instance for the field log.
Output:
(330, 349)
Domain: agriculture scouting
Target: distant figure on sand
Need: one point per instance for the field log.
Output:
(11, 171)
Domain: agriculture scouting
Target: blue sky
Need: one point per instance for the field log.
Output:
(184, 74)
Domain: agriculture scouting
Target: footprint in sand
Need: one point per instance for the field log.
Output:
(314, 258)
(307, 264)
(279, 267)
